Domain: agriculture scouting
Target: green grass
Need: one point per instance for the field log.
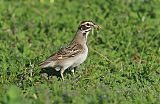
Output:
(123, 65)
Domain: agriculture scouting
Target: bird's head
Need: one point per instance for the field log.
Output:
(86, 26)
(84, 29)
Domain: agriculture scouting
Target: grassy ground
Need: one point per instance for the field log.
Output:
(123, 65)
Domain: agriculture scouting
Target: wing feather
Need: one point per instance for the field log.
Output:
(62, 54)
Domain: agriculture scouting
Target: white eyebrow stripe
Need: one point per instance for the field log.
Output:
(85, 23)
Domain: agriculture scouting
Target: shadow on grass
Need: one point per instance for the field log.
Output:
(49, 72)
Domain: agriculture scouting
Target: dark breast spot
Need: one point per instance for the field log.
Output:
(84, 34)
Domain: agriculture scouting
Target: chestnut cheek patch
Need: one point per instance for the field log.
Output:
(83, 27)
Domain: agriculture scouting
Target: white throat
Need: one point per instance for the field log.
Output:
(85, 33)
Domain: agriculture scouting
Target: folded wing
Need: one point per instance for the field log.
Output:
(62, 54)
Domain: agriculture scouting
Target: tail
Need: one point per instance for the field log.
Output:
(46, 64)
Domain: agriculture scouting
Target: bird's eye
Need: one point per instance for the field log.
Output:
(87, 24)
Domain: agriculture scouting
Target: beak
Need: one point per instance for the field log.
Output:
(96, 26)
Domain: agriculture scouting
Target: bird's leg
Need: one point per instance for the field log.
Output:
(73, 70)
(61, 72)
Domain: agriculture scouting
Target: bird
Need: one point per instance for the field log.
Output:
(74, 54)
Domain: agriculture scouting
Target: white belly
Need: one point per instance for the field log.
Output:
(80, 59)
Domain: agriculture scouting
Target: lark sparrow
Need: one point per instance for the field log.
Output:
(74, 54)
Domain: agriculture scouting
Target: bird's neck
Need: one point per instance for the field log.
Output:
(80, 37)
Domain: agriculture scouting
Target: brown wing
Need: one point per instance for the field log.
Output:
(67, 52)
(64, 53)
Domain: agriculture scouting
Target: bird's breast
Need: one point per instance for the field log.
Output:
(81, 57)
